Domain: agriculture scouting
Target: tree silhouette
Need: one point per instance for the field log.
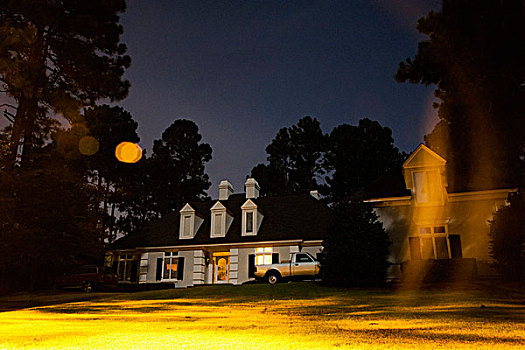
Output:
(176, 167)
(507, 238)
(58, 56)
(474, 54)
(356, 156)
(294, 159)
(355, 251)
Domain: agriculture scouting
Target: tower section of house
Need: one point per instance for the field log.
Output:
(432, 226)
(221, 241)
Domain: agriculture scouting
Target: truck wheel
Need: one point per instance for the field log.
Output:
(272, 277)
(87, 286)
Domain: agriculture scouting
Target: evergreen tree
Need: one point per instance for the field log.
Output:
(176, 167)
(507, 238)
(48, 222)
(58, 56)
(474, 54)
(109, 126)
(294, 159)
(356, 156)
(356, 249)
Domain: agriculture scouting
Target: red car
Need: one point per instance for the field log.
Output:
(89, 278)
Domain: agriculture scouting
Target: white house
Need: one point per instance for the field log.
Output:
(220, 241)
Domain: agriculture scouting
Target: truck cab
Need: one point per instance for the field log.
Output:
(300, 266)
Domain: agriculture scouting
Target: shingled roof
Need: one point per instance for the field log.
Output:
(298, 216)
(391, 184)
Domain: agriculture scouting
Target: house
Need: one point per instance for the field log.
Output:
(433, 227)
(220, 241)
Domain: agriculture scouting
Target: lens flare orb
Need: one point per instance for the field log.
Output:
(88, 145)
(128, 152)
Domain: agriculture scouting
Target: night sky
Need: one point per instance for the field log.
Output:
(242, 70)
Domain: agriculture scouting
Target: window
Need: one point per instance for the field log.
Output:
(170, 266)
(263, 256)
(221, 220)
(249, 222)
(189, 222)
(434, 242)
(427, 186)
(301, 258)
(187, 226)
(251, 218)
(124, 268)
(218, 224)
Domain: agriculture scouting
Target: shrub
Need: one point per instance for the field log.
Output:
(356, 249)
(507, 238)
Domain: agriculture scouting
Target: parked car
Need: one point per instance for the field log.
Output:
(89, 278)
(300, 266)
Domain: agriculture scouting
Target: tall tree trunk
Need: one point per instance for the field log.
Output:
(16, 133)
(29, 126)
(112, 223)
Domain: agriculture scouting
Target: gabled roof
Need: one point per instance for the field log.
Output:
(424, 157)
(298, 216)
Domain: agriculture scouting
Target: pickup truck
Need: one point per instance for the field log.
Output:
(301, 265)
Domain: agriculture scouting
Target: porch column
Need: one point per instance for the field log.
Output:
(199, 267)
(234, 266)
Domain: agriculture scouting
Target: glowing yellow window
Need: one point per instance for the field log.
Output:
(263, 256)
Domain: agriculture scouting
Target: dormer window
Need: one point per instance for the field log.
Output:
(221, 220)
(424, 173)
(427, 187)
(190, 222)
(218, 225)
(249, 222)
(251, 218)
(186, 230)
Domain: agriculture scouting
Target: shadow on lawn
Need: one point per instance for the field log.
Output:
(341, 309)
(110, 309)
(426, 334)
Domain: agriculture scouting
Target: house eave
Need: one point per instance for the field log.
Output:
(478, 195)
(203, 246)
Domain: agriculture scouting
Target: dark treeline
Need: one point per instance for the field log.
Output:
(339, 164)
(63, 194)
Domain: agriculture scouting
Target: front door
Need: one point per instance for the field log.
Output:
(221, 267)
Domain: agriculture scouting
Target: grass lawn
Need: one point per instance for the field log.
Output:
(284, 316)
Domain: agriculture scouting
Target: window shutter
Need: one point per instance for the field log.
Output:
(251, 265)
(275, 258)
(115, 266)
(158, 276)
(455, 246)
(134, 270)
(180, 269)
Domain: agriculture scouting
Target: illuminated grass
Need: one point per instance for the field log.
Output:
(285, 316)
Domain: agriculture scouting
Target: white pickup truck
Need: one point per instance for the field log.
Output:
(301, 265)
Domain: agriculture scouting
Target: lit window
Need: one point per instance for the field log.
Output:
(249, 222)
(170, 266)
(263, 256)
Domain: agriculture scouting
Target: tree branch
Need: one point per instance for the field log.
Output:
(9, 117)
(8, 105)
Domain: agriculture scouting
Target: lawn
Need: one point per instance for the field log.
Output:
(284, 316)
